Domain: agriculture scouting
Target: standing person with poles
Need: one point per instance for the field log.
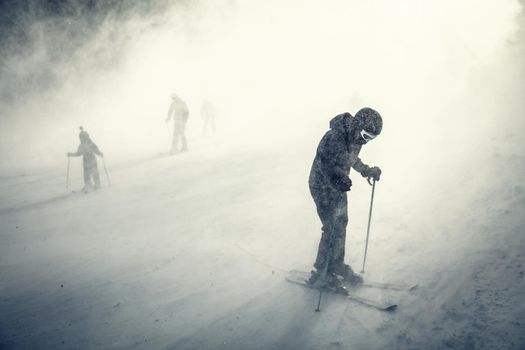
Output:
(179, 110)
(88, 150)
(337, 153)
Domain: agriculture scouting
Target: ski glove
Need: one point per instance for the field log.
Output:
(342, 183)
(373, 172)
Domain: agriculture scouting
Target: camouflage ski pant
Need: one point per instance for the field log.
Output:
(332, 210)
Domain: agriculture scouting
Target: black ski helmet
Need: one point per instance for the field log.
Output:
(369, 120)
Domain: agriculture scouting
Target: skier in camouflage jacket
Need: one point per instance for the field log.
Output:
(329, 181)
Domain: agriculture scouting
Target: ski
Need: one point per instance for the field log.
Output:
(372, 303)
(80, 192)
(393, 286)
(87, 191)
(371, 284)
(301, 280)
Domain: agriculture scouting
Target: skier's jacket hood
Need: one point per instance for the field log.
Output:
(336, 155)
(341, 122)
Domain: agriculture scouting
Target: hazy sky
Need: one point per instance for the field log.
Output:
(438, 71)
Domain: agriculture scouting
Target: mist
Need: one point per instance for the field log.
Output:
(447, 78)
(275, 69)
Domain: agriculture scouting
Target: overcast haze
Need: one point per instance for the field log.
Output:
(447, 77)
(272, 68)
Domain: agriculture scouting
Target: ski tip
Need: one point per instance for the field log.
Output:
(392, 307)
(413, 287)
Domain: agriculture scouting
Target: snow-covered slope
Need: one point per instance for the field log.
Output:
(190, 252)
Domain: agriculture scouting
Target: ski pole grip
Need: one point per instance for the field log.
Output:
(369, 182)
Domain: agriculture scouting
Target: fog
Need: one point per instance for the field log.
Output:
(272, 69)
(447, 78)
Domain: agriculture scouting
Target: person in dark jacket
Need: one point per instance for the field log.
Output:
(88, 150)
(329, 181)
(179, 110)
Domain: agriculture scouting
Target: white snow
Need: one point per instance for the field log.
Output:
(190, 252)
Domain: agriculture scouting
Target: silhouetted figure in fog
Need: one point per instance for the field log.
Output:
(329, 181)
(88, 150)
(355, 102)
(208, 117)
(179, 110)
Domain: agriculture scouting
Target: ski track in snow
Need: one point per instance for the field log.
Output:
(190, 252)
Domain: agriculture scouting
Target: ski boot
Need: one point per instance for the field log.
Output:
(314, 278)
(87, 188)
(348, 275)
(330, 281)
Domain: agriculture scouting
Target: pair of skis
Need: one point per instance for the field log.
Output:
(85, 191)
(301, 278)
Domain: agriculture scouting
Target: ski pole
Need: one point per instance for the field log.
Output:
(369, 220)
(106, 170)
(170, 136)
(329, 255)
(67, 174)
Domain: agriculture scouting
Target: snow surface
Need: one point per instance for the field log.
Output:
(190, 252)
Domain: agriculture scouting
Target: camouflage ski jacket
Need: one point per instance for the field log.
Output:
(336, 155)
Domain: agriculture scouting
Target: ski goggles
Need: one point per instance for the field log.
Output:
(367, 136)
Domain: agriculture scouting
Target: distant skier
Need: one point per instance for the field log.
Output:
(355, 101)
(329, 181)
(179, 110)
(208, 117)
(87, 149)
